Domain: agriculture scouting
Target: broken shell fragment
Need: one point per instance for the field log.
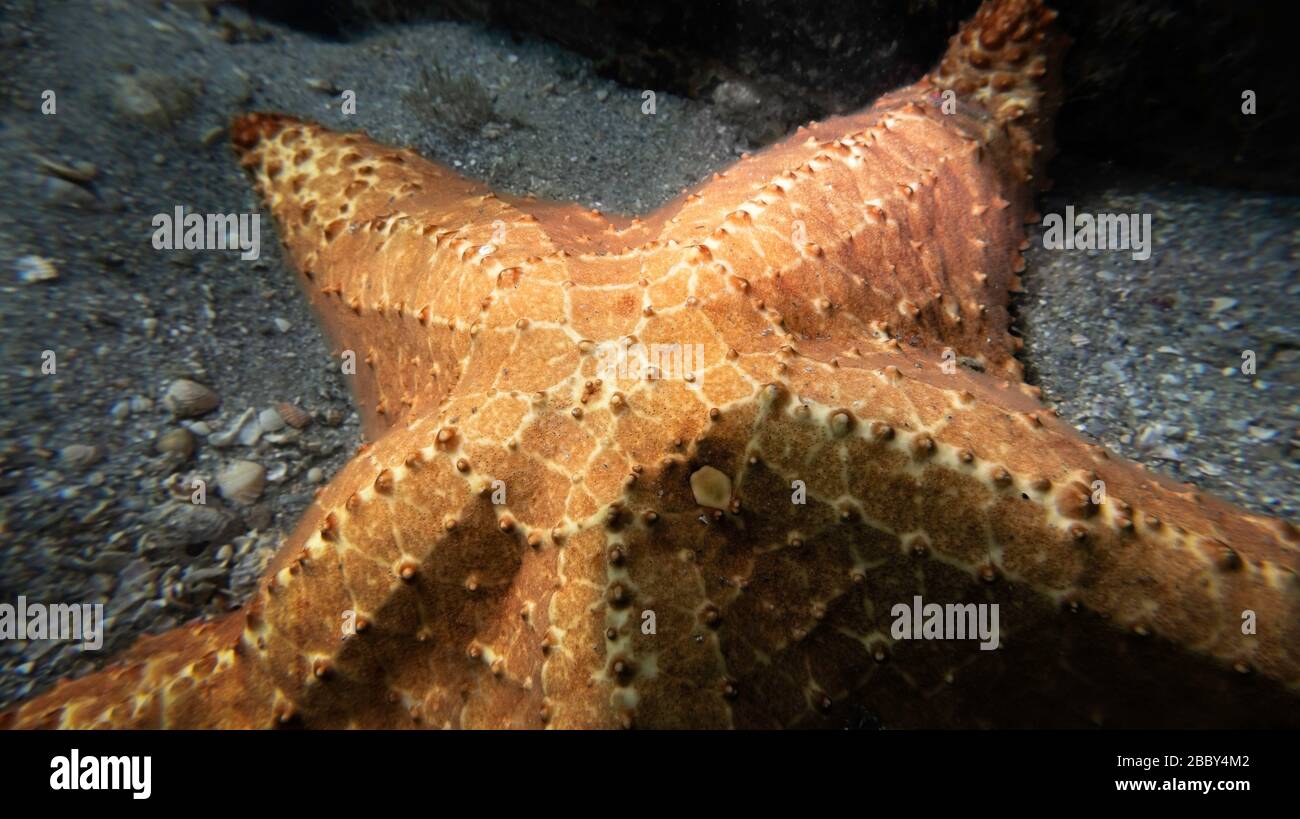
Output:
(33, 269)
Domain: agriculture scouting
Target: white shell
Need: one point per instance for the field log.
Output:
(270, 420)
(187, 399)
(242, 482)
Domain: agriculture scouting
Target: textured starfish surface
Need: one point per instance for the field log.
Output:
(522, 507)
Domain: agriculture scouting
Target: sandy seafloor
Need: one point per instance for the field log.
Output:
(1144, 356)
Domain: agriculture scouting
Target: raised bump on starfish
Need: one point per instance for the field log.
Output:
(823, 278)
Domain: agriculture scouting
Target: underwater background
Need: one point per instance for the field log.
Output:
(547, 99)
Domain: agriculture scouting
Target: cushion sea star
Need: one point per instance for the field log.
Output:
(534, 537)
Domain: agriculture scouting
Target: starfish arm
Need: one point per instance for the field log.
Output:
(902, 224)
(1007, 60)
(374, 612)
(398, 256)
(196, 676)
(904, 221)
(778, 608)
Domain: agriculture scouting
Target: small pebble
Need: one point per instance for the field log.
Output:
(80, 456)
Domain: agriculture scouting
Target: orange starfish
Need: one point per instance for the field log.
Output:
(552, 530)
